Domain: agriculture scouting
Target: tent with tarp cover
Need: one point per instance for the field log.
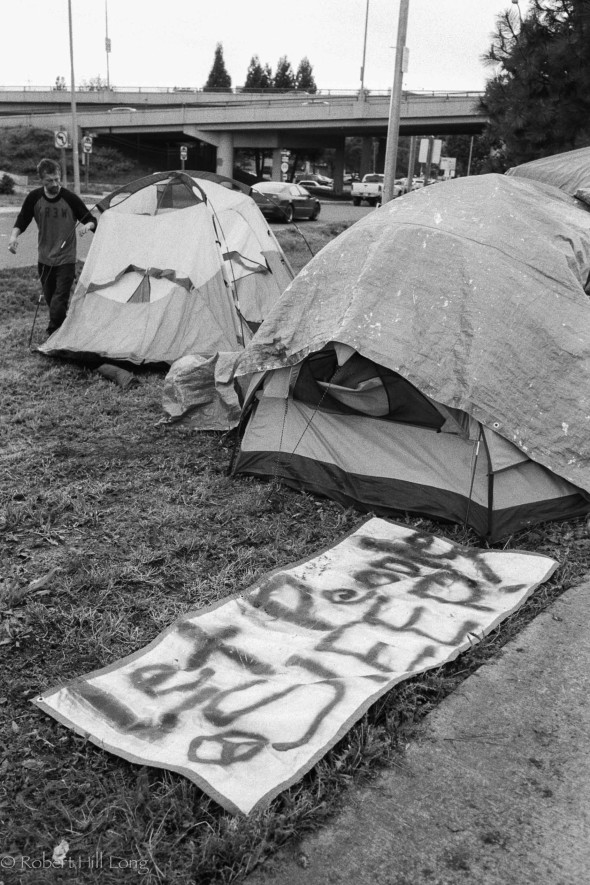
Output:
(181, 263)
(569, 171)
(435, 358)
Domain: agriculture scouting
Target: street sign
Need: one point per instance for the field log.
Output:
(430, 149)
(448, 165)
(62, 138)
(436, 149)
(87, 144)
(423, 151)
(284, 167)
(183, 152)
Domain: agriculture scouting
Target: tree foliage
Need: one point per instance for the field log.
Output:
(21, 148)
(538, 100)
(304, 77)
(284, 77)
(474, 154)
(218, 76)
(258, 76)
(94, 84)
(6, 184)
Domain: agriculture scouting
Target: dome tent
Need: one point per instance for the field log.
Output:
(181, 263)
(435, 358)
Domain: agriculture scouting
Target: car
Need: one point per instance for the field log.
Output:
(122, 110)
(285, 201)
(402, 185)
(314, 187)
(314, 176)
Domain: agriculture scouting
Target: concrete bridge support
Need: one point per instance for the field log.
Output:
(339, 168)
(225, 154)
(366, 155)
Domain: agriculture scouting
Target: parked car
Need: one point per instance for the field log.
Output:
(279, 199)
(315, 188)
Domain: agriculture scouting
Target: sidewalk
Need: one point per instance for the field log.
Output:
(494, 790)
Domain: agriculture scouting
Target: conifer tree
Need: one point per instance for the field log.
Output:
(304, 80)
(284, 77)
(218, 76)
(258, 77)
(538, 101)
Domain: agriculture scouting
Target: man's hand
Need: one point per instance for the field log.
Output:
(86, 228)
(12, 244)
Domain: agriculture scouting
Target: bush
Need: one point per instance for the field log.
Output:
(6, 184)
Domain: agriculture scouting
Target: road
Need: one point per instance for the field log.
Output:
(27, 247)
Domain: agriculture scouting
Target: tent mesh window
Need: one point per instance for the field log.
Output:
(176, 195)
(361, 387)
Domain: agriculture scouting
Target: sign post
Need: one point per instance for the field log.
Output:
(86, 151)
(183, 155)
(285, 164)
(430, 149)
(62, 141)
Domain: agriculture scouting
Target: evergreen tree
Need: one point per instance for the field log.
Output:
(258, 77)
(267, 76)
(218, 76)
(538, 101)
(304, 77)
(284, 77)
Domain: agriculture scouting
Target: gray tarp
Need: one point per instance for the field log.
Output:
(569, 171)
(473, 290)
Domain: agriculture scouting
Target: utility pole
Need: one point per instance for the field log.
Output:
(362, 91)
(395, 104)
(75, 158)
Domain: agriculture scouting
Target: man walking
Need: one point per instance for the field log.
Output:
(56, 211)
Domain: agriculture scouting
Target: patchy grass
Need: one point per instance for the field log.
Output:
(114, 525)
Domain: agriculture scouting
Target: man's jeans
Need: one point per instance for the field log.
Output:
(56, 283)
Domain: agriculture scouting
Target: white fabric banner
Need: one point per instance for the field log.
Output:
(245, 697)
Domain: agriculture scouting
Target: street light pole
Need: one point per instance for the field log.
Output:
(75, 157)
(107, 42)
(362, 92)
(395, 104)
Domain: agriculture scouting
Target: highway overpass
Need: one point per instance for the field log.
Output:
(230, 121)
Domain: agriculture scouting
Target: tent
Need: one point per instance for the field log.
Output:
(435, 358)
(569, 171)
(181, 263)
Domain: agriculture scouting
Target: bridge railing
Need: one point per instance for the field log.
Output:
(239, 90)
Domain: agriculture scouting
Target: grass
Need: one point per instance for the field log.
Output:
(112, 526)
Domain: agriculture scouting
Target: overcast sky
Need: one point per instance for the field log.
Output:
(172, 43)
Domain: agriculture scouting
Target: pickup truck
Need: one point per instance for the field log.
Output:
(370, 189)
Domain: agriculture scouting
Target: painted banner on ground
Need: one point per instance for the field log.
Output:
(245, 697)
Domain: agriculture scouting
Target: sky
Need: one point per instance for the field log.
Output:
(173, 43)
